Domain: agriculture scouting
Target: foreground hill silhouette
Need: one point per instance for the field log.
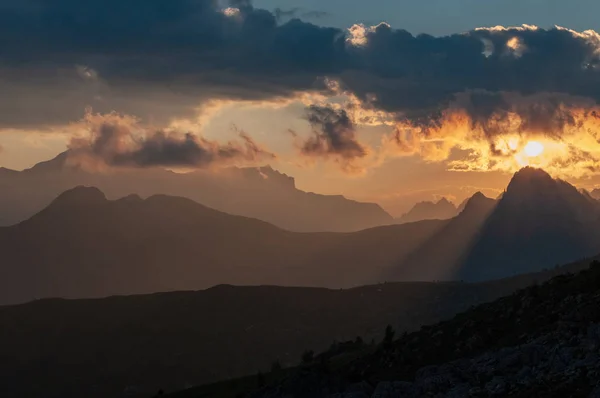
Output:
(133, 346)
(541, 341)
(84, 245)
(261, 193)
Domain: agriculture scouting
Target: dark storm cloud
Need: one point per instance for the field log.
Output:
(333, 134)
(297, 12)
(117, 141)
(192, 50)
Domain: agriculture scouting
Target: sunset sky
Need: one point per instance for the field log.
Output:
(372, 111)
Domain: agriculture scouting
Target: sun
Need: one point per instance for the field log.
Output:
(533, 149)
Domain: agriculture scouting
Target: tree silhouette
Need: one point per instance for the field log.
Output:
(308, 356)
(388, 339)
(276, 367)
(260, 379)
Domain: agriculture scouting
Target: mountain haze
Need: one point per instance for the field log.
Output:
(537, 223)
(262, 193)
(440, 210)
(83, 245)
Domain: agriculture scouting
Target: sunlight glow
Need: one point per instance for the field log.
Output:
(533, 149)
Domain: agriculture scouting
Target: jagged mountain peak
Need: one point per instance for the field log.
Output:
(476, 202)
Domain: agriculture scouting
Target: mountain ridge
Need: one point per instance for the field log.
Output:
(256, 192)
(443, 209)
(163, 243)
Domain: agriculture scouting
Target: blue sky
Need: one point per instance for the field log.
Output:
(441, 17)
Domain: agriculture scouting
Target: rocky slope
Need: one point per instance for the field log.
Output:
(136, 345)
(542, 341)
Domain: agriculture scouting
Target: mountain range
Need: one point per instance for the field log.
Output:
(84, 245)
(538, 222)
(443, 209)
(262, 193)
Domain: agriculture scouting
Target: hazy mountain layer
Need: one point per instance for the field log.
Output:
(538, 222)
(261, 193)
(84, 245)
(440, 210)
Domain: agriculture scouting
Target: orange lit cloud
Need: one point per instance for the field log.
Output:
(114, 140)
(506, 131)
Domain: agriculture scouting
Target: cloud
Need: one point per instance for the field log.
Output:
(466, 99)
(121, 141)
(333, 136)
(185, 52)
(481, 131)
(298, 12)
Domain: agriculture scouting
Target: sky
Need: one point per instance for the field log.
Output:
(346, 96)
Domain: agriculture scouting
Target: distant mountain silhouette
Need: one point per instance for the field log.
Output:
(83, 245)
(261, 193)
(539, 221)
(440, 210)
(595, 193)
(441, 255)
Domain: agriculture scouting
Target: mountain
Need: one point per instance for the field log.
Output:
(84, 245)
(440, 210)
(539, 221)
(541, 341)
(441, 256)
(261, 193)
(133, 346)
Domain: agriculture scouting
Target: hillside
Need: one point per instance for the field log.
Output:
(118, 346)
(84, 245)
(541, 341)
(262, 193)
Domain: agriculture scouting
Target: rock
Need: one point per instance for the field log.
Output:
(497, 386)
(394, 389)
